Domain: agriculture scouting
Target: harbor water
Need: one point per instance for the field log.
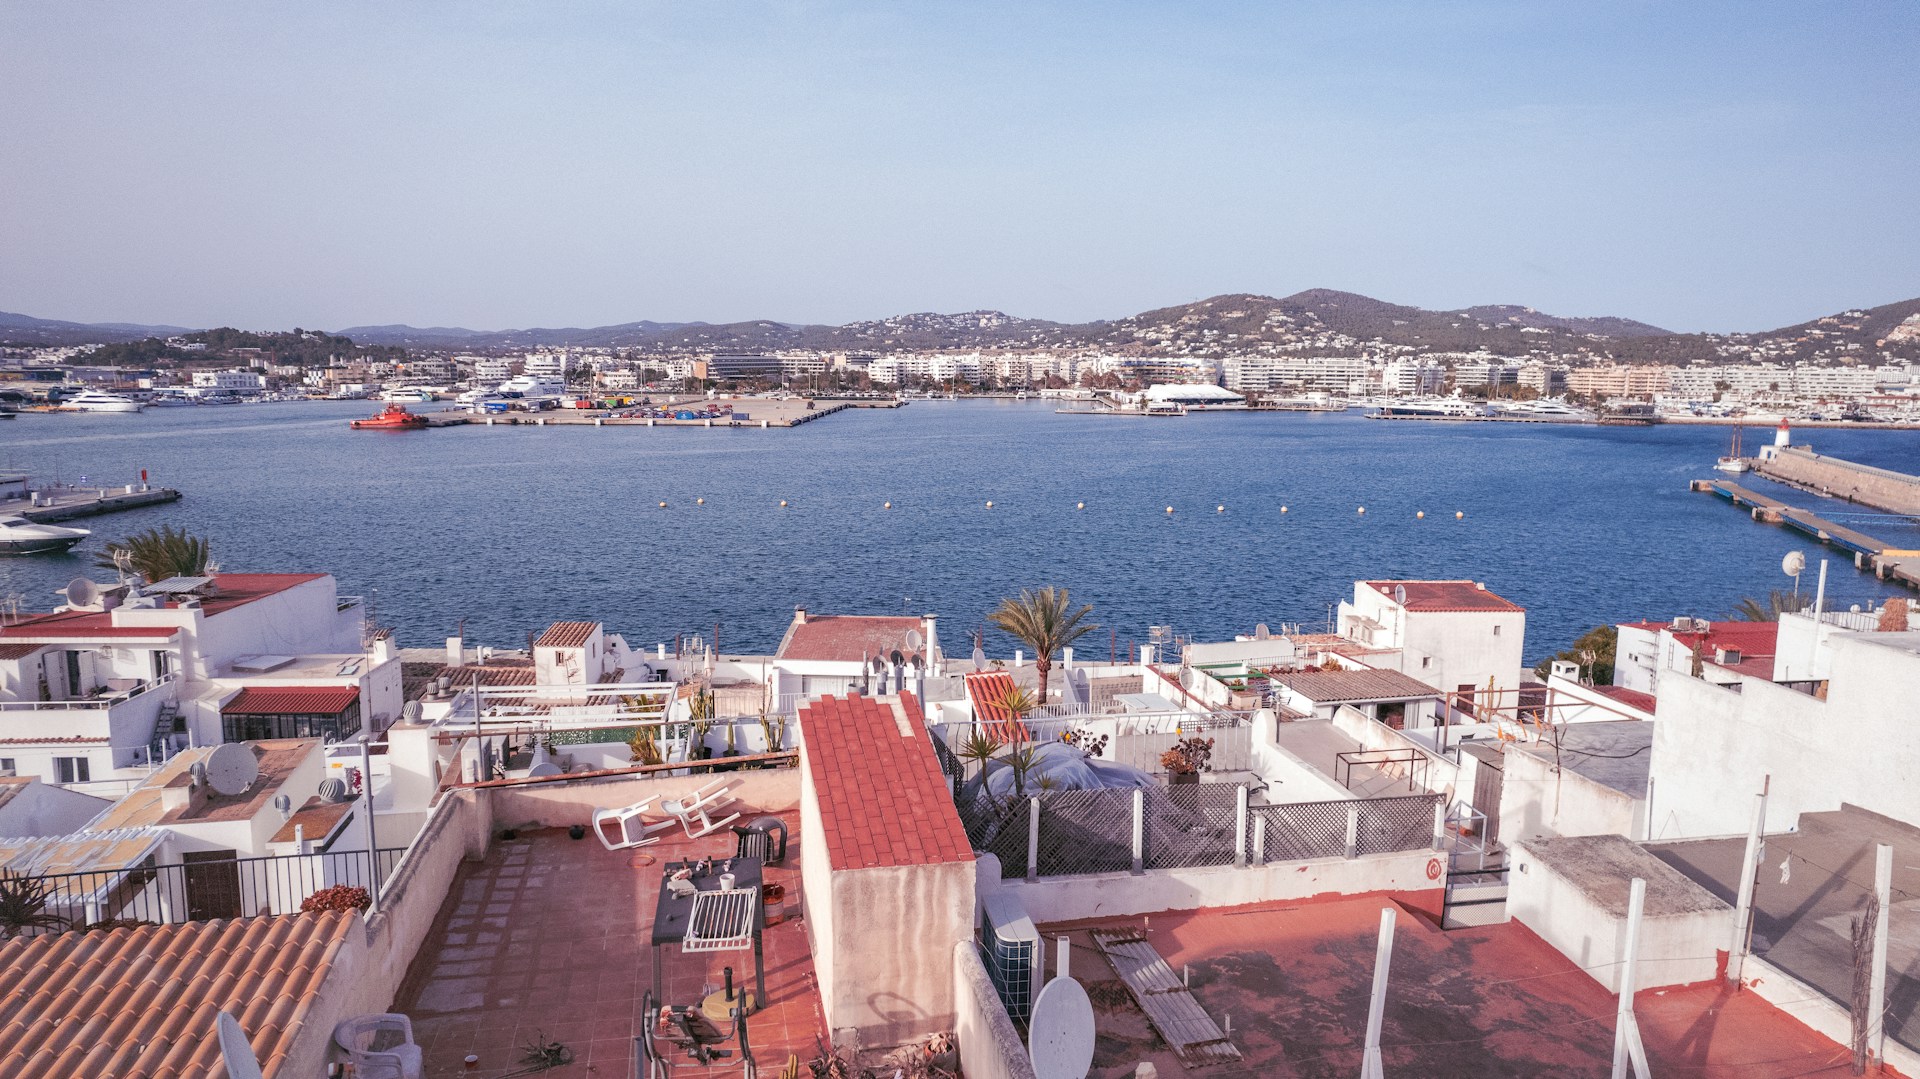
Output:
(502, 529)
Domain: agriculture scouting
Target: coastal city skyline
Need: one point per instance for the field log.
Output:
(857, 540)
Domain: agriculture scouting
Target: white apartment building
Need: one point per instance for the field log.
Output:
(1620, 380)
(1258, 374)
(1413, 377)
(1801, 380)
(1456, 636)
(100, 689)
(547, 364)
(238, 382)
(490, 369)
(1547, 380)
(897, 369)
(1484, 374)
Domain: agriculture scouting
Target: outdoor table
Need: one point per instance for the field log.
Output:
(673, 919)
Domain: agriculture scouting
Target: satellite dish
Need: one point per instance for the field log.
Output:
(1400, 594)
(232, 768)
(1261, 632)
(82, 592)
(235, 1051)
(1794, 564)
(914, 639)
(284, 804)
(1060, 1032)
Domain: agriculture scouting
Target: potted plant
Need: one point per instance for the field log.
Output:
(1187, 759)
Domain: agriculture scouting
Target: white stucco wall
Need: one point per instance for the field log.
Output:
(1538, 800)
(1713, 747)
(1111, 895)
(990, 1045)
(1674, 950)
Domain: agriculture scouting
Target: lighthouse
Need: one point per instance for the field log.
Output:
(1782, 437)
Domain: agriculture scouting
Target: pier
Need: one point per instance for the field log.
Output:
(753, 412)
(1884, 559)
(50, 504)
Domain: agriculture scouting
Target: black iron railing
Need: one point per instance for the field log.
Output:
(202, 888)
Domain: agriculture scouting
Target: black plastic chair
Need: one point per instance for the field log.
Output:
(765, 838)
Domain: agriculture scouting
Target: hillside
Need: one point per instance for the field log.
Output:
(27, 330)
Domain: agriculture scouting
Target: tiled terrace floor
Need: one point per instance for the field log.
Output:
(1486, 1001)
(551, 936)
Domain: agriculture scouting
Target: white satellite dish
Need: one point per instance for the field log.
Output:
(235, 1051)
(1794, 564)
(231, 768)
(82, 592)
(1400, 594)
(914, 639)
(1060, 1032)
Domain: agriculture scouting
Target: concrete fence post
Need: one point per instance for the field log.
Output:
(1353, 829)
(1439, 825)
(1260, 840)
(1139, 830)
(1033, 837)
(1240, 825)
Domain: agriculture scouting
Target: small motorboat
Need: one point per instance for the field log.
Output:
(394, 417)
(21, 536)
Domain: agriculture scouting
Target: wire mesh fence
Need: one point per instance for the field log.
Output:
(1298, 831)
(1086, 832)
(1190, 824)
(1388, 825)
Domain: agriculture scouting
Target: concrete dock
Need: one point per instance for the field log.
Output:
(52, 504)
(1886, 560)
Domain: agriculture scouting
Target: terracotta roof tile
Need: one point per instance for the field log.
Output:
(566, 635)
(1446, 596)
(291, 700)
(987, 689)
(140, 1003)
(849, 638)
(883, 799)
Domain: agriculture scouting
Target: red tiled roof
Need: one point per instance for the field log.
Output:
(140, 1003)
(883, 800)
(848, 638)
(986, 689)
(1446, 596)
(238, 589)
(1632, 698)
(19, 651)
(291, 700)
(496, 672)
(566, 635)
(76, 625)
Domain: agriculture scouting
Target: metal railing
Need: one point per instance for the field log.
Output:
(121, 697)
(1414, 764)
(179, 892)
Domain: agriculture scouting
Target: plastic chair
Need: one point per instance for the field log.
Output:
(695, 811)
(765, 839)
(380, 1046)
(631, 834)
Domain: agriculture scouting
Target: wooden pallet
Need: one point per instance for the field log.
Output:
(1196, 1039)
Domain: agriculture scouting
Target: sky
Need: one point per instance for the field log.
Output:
(1698, 166)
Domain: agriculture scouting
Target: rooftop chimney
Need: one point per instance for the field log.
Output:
(799, 616)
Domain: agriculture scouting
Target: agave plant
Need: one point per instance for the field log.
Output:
(979, 747)
(158, 553)
(23, 905)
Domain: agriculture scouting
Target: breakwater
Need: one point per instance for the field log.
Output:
(1880, 488)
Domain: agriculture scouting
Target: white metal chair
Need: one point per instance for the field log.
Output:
(381, 1047)
(695, 811)
(630, 824)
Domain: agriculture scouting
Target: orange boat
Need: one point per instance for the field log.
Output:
(394, 417)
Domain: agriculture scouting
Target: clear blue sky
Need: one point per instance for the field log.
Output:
(1699, 166)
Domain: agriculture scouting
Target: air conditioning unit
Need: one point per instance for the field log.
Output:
(1726, 656)
(1011, 947)
(1683, 624)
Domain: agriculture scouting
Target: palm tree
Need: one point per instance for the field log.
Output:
(157, 554)
(1045, 621)
(1769, 610)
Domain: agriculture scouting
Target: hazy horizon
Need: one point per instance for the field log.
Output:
(1715, 167)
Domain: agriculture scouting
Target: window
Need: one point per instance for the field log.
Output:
(1496, 631)
(72, 770)
(6, 766)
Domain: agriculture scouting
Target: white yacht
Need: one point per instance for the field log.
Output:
(534, 386)
(1432, 408)
(170, 399)
(21, 536)
(407, 395)
(1546, 408)
(99, 401)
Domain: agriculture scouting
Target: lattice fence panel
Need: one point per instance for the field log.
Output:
(1190, 824)
(1300, 830)
(998, 827)
(1396, 824)
(1086, 832)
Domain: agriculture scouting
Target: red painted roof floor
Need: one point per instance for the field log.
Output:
(1487, 1001)
(552, 935)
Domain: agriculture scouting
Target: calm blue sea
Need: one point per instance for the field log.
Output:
(507, 529)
